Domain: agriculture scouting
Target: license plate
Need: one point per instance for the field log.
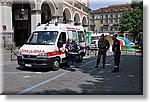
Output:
(28, 65)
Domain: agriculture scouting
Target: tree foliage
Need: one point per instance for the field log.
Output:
(125, 21)
(132, 20)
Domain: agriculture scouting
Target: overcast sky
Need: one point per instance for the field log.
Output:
(96, 4)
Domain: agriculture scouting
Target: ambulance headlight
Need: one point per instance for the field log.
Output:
(19, 54)
(42, 55)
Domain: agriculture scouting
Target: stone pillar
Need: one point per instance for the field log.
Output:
(58, 16)
(36, 15)
(71, 21)
(1, 69)
(1, 24)
(35, 19)
(6, 23)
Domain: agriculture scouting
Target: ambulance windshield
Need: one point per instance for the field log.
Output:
(43, 37)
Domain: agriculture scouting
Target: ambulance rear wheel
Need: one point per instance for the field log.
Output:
(55, 64)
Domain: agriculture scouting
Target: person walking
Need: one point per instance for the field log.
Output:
(117, 53)
(72, 51)
(103, 45)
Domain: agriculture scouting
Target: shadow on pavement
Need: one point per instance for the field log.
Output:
(33, 69)
(128, 81)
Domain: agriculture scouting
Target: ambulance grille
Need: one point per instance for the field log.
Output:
(29, 56)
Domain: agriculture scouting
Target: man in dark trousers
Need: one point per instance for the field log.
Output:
(117, 53)
(103, 46)
(72, 51)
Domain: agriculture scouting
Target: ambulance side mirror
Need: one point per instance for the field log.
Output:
(25, 41)
(60, 44)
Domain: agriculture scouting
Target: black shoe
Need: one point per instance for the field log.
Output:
(96, 66)
(115, 70)
(73, 69)
(103, 66)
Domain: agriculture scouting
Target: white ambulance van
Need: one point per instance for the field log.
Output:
(45, 47)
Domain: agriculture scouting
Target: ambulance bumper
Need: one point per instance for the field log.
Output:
(35, 62)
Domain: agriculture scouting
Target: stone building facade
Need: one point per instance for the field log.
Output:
(20, 17)
(106, 20)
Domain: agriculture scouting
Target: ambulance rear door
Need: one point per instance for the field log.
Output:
(63, 40)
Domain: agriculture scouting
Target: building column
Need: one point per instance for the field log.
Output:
(6, 24)
(1, 69)
(35, 19)
(58, 16)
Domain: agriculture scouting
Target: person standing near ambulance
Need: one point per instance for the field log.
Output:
(117, 52)
(72, 51)
(103, 45)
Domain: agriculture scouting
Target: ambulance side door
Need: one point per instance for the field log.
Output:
(62, 43)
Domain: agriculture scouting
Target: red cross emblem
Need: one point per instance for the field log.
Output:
(70, 47)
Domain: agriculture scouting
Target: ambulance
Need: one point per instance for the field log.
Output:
(45, 48)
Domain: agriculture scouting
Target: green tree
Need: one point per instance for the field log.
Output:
(132, 20)
(125, 21)
(136, 22)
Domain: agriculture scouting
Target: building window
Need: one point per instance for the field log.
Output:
(92, 22)
(101, 16)
(106, 21)
(106, 16)
(111, 21)
(111, 15)
(118, 21)
(115, 21)
(116, 9)
(127, 9)
(111, 28)
(120, 9)
(106, 28)
(116, 15)
(101, 28)
(115, 28)
(97, 17)
(93, 16)
(101, 21)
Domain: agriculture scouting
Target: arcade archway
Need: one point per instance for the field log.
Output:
(66, 15)
(48, 11)
(77, 19)
(84, 21)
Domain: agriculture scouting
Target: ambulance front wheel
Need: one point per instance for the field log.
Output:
(55, 64)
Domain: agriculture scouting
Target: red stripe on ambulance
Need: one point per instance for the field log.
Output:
(31, 51)
(55, 53)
